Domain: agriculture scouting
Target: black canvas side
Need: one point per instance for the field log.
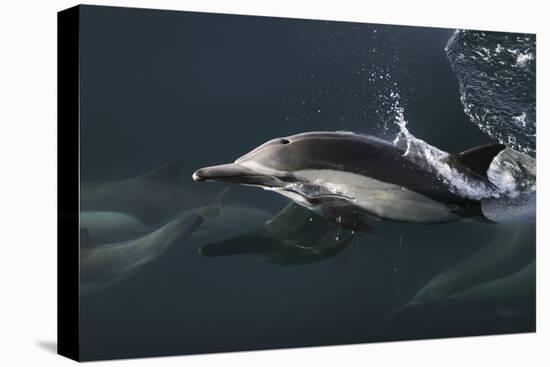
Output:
(68, 183)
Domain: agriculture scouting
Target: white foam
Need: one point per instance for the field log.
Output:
(510, 172)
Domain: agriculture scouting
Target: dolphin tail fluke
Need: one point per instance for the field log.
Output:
(213, 208)
(478, 159)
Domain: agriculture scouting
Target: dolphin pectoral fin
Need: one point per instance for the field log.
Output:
(213, 209)
(478, 159)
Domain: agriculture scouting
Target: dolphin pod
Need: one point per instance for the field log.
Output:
(348, 177)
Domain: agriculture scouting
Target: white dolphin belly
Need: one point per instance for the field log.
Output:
(378, 198)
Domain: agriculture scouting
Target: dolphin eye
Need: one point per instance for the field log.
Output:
(284, 141)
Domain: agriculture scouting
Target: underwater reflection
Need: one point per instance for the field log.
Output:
(293, 236)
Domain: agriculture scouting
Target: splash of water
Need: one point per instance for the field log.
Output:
(497, 76)
(511, 172)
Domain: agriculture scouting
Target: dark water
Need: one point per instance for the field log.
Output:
(497, 75)
(159, 86)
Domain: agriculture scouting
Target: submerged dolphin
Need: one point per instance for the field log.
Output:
(500, 272)
(150, 199)
(233, 220)
(344, 176)
(102, 265)
(293, 236)
(518, 284)
(507, 296)
(507, 253)
(106, 224)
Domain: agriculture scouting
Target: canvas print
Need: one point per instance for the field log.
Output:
(254, 183)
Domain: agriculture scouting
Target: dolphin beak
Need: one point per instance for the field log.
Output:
(225, 172)
(236, 173)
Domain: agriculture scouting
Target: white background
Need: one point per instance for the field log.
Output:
(28, 182)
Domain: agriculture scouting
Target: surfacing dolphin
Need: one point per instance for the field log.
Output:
(295, 235)
(345, 176)
(103, 265)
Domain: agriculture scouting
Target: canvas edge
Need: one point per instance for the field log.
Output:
(68, 155)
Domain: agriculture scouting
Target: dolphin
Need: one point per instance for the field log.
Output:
(505, 254)
(147, 200)
(519, 285)
(103, 265)
(513, 295)
(496, 268)
(107, 224)
(348, 177)
(232, 220)
(295, 235)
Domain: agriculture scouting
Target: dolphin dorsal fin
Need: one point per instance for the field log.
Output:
(478, 159)
(212, 210)
(170, 172)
